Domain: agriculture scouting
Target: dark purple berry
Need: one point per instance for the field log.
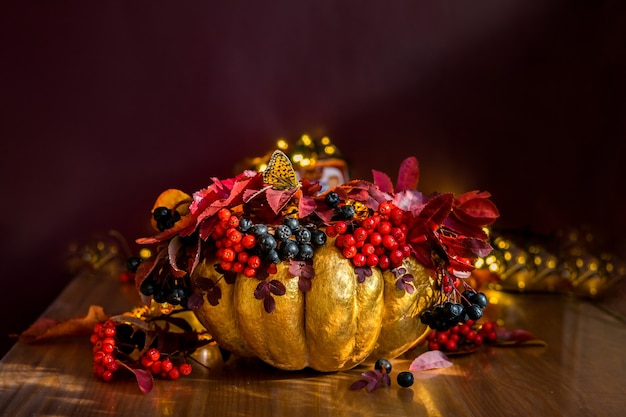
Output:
(305, 252)
(289, 249)
(244, 224)
(480, 299)
(331, 199)
(133, 263)
(318, 237)
(259, 230)
(383, 363)
(405, 379)
(283, 232)
(292, 222)
(161, 213)
(303, 235)
(272, 257)
(347, 212)
(474, 312)
(266, 243)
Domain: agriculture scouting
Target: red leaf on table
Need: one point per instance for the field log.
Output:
(517, 337)
(145, 381)
(432, 359)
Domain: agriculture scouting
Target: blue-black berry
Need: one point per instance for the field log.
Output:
(383, 363)
(405, 379)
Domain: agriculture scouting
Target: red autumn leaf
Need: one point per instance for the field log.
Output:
(436, 209)
(382, 181)
(409, 200)
(47, 329)
(408, 175)
(306, 206)
(145, 381)
(458, 226)
(517, 337)
(465, 247)
(432, 359)
(476, 209)
(277, 199)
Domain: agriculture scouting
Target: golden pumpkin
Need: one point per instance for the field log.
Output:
(336, 325)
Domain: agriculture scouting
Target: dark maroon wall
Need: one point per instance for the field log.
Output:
(105, 104)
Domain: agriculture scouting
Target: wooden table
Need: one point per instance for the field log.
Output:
(581, 372)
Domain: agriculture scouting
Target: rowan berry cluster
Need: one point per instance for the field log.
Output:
(378, 240)
(111, 349)
(104, 350)
(158, 365)
(463, 336)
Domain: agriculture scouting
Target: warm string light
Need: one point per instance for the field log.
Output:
(532, 266)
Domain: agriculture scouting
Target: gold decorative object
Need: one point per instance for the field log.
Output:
(291, 262)
(336, 325)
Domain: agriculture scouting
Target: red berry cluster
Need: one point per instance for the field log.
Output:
(463, 336)
(378, 240)
(103, 341)
(232, 246)
(153, 362)
(106, 362)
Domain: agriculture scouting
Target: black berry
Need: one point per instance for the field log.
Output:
(133, 263)
(405, 379)
(383, 363)
(331, 199)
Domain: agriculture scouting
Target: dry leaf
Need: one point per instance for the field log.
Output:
(47, 329)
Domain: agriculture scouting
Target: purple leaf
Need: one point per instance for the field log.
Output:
(304, 284)
(357, 385)
(276, 287)
(145, 381)
(204, 283)
(362, 273)
(269, 304)
(213, 295)
(195, 301)
(262, 290)
(432, 359)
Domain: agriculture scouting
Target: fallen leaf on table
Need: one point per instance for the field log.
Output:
(47, 329)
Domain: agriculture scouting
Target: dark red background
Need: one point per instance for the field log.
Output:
(105, 104)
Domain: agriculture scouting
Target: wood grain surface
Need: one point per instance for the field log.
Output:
(581, 372)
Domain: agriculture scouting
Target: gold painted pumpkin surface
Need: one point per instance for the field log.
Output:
(336, 325)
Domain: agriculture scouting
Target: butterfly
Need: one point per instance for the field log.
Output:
(280, 173)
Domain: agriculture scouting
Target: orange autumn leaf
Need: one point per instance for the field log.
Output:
(47, 329)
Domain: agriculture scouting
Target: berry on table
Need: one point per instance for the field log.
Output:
(383, 363)
(405, 379)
